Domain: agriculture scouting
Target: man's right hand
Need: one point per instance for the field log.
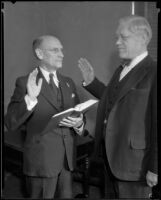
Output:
(87, 70)
(33, 89)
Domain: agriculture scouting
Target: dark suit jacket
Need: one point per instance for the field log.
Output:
(131, 129)
(43, 153)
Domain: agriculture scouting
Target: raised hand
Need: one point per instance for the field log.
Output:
(87, 70)
(33, 89)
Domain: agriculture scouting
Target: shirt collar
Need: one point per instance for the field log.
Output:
(138, 59)
(46, 74)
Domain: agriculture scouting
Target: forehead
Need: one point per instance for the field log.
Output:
(123, 29)
(50, 43)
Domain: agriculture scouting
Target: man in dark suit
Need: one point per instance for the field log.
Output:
(127, 112)
(48, 153)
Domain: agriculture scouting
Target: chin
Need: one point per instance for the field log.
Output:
(59, 66)
(122, 55)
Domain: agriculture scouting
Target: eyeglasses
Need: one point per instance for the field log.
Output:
(54, 50)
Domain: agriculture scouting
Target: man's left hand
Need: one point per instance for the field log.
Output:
(151, 179)
(74, 122)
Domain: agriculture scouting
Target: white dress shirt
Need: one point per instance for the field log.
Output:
(133, 63)
(46, 75)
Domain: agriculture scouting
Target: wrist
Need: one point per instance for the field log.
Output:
(80, 125)
(32, 98)
(84, 83)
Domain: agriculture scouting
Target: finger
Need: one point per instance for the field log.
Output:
(40, 83)
(85, 66)
(34, 73)
(66, 120)
(72, 118)
(75, 119)
(84, 61)
(150, 184)
(84, 69)
(31, 76)
(65, 124)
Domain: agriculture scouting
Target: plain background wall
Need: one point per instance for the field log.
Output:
(86, 29)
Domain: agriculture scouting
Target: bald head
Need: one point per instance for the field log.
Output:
(43, 41)
(48, 50)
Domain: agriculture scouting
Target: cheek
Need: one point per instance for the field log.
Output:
(51, 59)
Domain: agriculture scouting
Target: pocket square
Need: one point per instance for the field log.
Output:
(68, 84)
(73, 95)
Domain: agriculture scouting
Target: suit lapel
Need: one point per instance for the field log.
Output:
(137, 75)
(66, 91)
(46, 91)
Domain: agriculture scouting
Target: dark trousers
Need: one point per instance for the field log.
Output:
(115, 188)
(42, 187)
(46, 187)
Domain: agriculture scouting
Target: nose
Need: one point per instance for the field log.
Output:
(61, 54)
(118, 41)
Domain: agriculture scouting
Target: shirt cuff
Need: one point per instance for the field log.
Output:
(80, 129)
(84, 83)
(30, 103)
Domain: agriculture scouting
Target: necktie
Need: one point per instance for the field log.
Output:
(125, 69)
(54, 87)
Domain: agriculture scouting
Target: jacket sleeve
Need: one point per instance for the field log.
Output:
(96, 88)
(77, 101)
(17, 112)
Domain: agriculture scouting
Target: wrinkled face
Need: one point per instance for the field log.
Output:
(129, 44)
(51, 54)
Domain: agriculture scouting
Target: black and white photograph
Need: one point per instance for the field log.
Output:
(79, 100)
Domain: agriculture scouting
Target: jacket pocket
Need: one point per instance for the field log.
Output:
(138, 143)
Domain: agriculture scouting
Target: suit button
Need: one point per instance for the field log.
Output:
(105, 121)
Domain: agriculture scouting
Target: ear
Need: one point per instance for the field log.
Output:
(39, 53)
(145, 39)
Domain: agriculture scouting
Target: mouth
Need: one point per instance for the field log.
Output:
(60, 60)
(121, 50)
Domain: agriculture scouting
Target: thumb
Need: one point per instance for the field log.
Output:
(40, 83)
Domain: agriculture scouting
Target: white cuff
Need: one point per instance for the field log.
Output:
(30, 103)
(84, 83)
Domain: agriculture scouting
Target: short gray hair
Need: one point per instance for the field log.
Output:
(138, 24)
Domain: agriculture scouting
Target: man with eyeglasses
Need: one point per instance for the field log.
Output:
(48, 155)
(126, 125)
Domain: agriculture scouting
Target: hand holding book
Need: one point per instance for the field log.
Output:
(68, 114)
(71, 121)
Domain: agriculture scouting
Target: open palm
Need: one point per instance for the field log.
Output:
(33, 89)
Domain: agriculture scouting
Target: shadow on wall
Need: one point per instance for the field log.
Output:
(114, 62)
